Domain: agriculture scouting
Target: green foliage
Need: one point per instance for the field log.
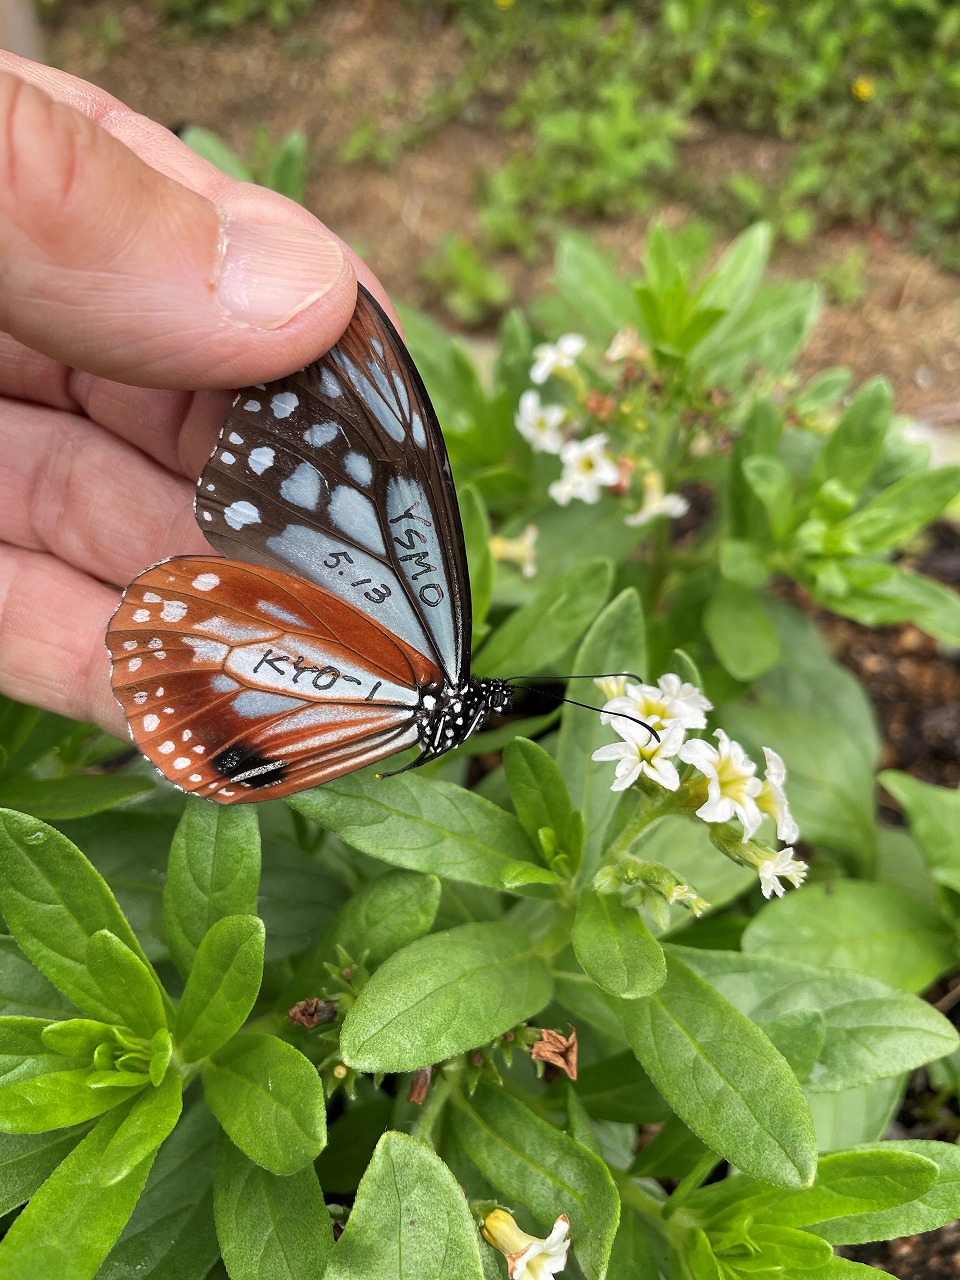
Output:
(184, 987)
(218, 15)
(282, 166)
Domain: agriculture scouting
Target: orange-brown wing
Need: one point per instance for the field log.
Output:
(244, 683)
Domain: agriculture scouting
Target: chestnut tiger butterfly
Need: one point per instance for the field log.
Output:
(336, 630)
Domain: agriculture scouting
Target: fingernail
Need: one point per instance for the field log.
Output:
(267, 275)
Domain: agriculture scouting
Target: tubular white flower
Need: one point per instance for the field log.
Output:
(657, 503)
(671, 699)
(549, 357)
(539, 424)
(587, 469)
(625, 345)
(732, 787)
(773, 799)
(528, 1257)
(641, 753)
(782, 863)
(521, 551)
(611, 687)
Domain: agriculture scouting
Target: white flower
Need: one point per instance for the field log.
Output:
(528, 1257)
(641, 753)
(625, 345)
(551, 357)
(611, 687)
(731, 786)
(782, 863)
(539, 424)
(587, 468)
(657, 503)
(773, 799)
(520, 551)
(672, 699)
(683, 895)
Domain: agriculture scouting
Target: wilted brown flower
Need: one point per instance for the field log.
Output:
(309, 1013)
(557, 1051)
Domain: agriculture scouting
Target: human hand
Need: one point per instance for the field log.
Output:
(126, 263)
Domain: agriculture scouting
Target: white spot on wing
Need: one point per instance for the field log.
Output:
(321, 433)
(182, 762)
(252, 406)
(284, 404)
(205, 582)
(207, 515)
(282, 615)
(186, 735)
(302, 488)
(155, 643)
(129, 644)
(151, 597)
(165, 748)
(196, 777)
(228, 458)
(355, 515)
(140, 697)
(240, 513)
(141, 615)
(329, 384)
(134, 664)
(235, 439)
(358, 468)
(235, 632)
(222, 684)
(173, 610)
(206, 650)
(150, 723)
(260, 459)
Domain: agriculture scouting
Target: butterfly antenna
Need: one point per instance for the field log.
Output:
(602, 675)
(614, 715)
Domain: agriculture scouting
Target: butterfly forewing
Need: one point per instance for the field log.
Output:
(241, 682)
(339, 474)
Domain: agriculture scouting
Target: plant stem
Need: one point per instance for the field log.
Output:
(695, 1178)
(440, 1091)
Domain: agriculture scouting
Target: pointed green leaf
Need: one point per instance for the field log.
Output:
(128, 984)
(443, 995)
(616, 948)
(223, 986)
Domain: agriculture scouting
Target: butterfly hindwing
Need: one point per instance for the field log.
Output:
(339, 474)
(241, 682)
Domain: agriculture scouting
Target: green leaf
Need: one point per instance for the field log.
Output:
(214, 871)
(410, 1220)
(76, 1037)
(597, 295)
(770, 482)
(56, 1099)
(540, 796)
(852, 450)
(476, 535)
(932, 1208)
(223, 986)
(900, 511)
(127, 983)
(386, 914)
(24, 990)
(904, 1031)
(420, 823)
(54, 901)
(799, 1035)
(210, 147)
(739, 628)
(775, 1250)
(72, 1221)
(60, 798)
(615, 642)
(146, 1123)
(171, 1235)
(443, 995)
(616, 948)
(934, 817)
(722, 1077)
(535, 1164)
(268, 1098)
(865, 1180)
(877, 594)
(270, 1228)
(618, 1088)
(852, 924)
(861, 1114)
(27, 1160)
(538, 633)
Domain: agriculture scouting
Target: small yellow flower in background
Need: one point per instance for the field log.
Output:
(756, 9)
(503, 4)
(520, 551)
(863, 88)
(528, 1257)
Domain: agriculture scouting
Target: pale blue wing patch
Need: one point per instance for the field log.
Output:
(419, 555)
(302, 488)
(356, 517)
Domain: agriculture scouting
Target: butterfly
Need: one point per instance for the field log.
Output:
(333, 630)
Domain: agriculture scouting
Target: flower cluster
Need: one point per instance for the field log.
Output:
(589, 465)
(652, 722)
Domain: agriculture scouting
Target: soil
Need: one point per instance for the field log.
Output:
(345, 60)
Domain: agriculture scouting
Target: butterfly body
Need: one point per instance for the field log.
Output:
(335, 629)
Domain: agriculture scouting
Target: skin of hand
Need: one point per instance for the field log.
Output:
(138, 284)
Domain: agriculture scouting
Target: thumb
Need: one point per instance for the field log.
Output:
(111, 267)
